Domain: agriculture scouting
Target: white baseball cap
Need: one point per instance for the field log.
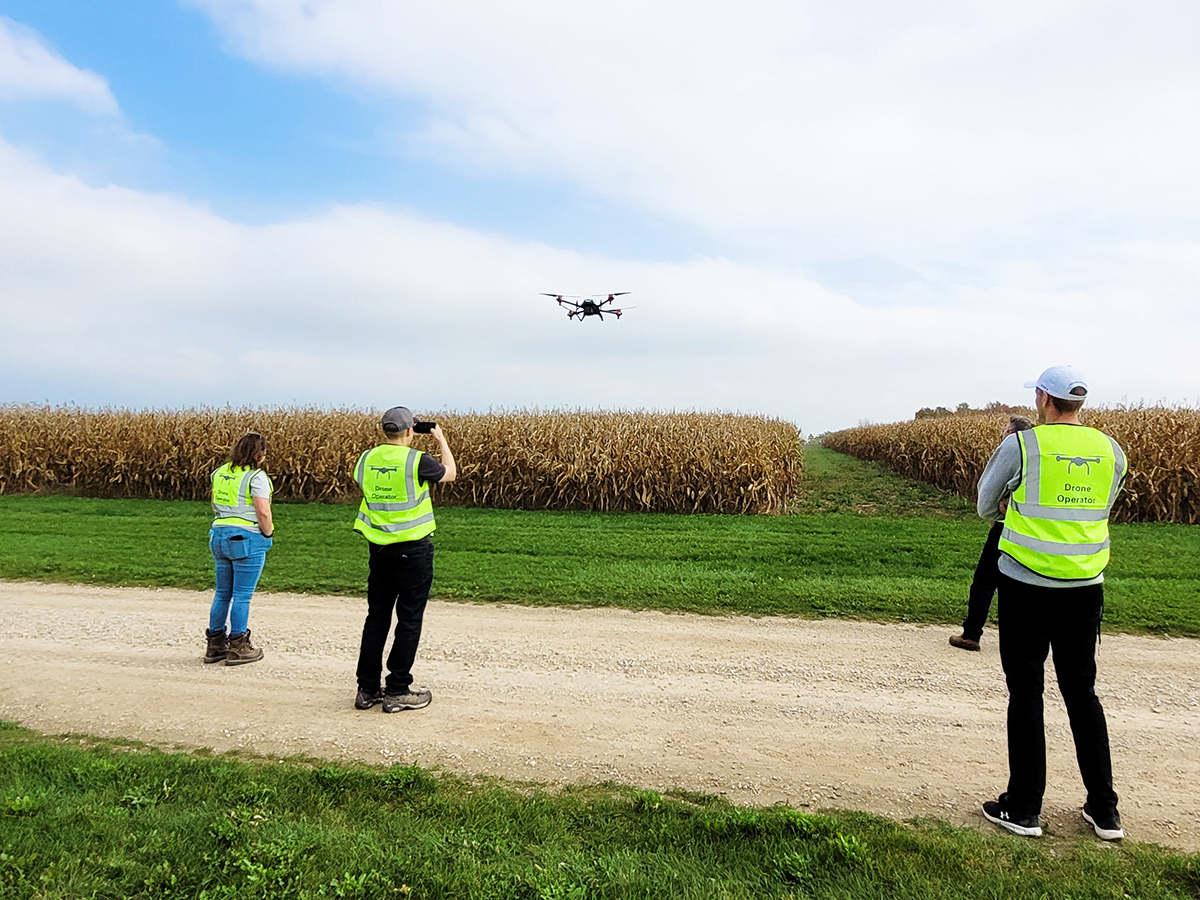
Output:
(1059, 381)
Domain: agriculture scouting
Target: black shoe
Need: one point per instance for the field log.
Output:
(962, 642)
(1107, 828)
(365, 699)
(997, 812)
(410, 699)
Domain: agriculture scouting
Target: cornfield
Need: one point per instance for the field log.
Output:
(639, 461)
(1162, 444)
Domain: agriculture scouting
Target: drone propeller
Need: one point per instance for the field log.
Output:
(607, 298)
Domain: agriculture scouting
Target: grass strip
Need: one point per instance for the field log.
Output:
(86, 818)
(866, 544)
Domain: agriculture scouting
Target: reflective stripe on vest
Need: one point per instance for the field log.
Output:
(1057, 519)
(395, 527)
(231, 501)
(394, 507)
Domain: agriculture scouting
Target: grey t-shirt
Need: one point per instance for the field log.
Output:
(999, 479)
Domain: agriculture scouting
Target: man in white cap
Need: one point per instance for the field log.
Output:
(1060, 480)
(396, 518)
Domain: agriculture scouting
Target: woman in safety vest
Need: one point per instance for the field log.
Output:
(241, 534)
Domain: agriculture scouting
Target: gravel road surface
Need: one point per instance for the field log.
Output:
(885, 718)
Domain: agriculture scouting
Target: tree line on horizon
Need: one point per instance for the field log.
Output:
(965, 409)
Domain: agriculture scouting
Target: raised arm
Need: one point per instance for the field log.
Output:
(447, 458)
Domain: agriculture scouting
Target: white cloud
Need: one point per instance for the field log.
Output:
(31, 70)
(115, 295)
(1019, 175)
(918, 131)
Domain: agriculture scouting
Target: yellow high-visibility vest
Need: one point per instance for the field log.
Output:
(231, 501)
(1057, 519)
(395, 507)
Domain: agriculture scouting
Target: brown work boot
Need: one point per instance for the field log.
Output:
(963, 643)
(241, 650)
(218, 645)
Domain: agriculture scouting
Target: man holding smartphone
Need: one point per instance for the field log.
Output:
(396, 518)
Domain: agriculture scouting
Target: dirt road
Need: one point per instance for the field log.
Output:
(886, 718)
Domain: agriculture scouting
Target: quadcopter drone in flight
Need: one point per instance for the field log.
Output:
(591, 305)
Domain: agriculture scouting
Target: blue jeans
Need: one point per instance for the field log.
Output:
(239, 554)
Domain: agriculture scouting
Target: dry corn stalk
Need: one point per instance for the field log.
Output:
(1162, 443)
(673, 462)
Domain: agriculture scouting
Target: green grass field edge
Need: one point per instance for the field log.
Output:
(863, 544)
(86, 817)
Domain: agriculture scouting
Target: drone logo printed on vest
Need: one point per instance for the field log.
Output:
(1085, 461)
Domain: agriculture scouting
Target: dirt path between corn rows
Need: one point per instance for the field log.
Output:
(885, 718)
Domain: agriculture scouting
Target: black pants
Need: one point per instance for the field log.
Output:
(1066, 622)
(400, 577)
(983, 585)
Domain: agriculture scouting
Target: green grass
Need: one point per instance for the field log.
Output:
(80, 818)
(834, 482)
(863, 544)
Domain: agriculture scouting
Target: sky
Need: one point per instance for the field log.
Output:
(828, 213)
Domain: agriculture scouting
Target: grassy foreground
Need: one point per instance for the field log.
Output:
(83, 819)
(863, 544)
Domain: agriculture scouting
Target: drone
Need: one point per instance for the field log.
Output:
(591, 305)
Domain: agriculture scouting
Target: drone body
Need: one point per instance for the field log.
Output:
(591, 305)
